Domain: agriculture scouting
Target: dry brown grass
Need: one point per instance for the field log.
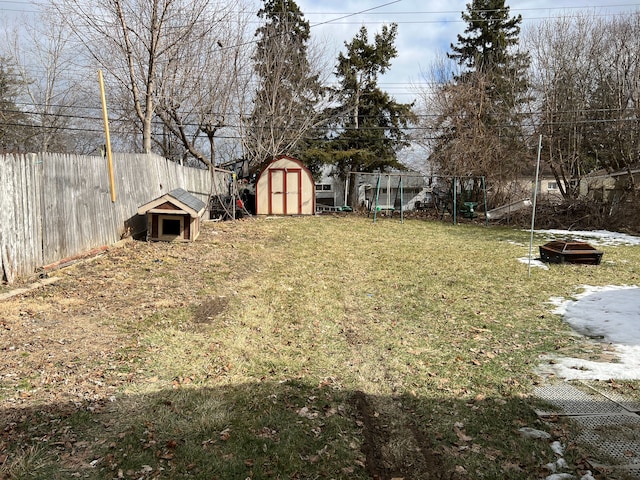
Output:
(289, 348)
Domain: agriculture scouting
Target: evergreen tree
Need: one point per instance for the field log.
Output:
(481, 120)
(490, 37)
(490, 48)
(288, 89)
(369, 126)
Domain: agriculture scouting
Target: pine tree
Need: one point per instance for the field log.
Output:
(490, 36)
(369, 126)
(490, 48)
(480, 128)
(16, 131)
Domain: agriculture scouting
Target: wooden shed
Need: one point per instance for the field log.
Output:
(285, 187)
(175, 216)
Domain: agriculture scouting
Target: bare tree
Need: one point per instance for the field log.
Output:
(51, 93)
(201, 92)
(460, 141)
(613, 129)
(564, 56)
(15, 125)
(139, 41)
(289, 94)
(476, 108)
(586, 78)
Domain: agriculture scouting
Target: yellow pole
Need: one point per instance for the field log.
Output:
(112, 185)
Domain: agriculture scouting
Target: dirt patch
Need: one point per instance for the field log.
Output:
(209, 309)
(393, 445)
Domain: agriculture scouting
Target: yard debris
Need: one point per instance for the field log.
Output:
(533, 433)
(560, 476)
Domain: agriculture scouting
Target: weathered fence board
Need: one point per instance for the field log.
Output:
(56, 206)
(20, 221)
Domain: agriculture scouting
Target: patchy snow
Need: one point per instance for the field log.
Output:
(609, 314)
(596, 237)
(534, 263)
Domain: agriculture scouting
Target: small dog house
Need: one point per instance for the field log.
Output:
(175, 216)
(285, 187)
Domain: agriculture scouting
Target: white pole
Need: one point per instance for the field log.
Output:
(346, 190)
(533, 211)
(389, 191)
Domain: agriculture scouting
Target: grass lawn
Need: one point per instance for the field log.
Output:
(292, 348)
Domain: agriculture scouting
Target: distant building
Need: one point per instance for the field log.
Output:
(417, 189)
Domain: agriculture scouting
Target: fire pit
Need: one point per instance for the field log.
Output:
(560, 251)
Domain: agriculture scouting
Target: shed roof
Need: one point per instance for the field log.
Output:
(180, 198)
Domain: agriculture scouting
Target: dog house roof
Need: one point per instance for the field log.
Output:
(179, 197)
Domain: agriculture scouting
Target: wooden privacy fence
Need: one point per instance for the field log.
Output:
(56, 206)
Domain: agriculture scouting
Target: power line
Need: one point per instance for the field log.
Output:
(599, 121)
(373, 11)
(355, 13)
(510, 8)
(577, 111)
(439, 21)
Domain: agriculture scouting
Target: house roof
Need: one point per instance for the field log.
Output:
(283, 160)
(602, 173)
(187, 203)
(409, 180)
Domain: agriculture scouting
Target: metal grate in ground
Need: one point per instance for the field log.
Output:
(569, 400)
(629, 404)
(606, 427)
(629, 471)
(632, 470)
(617, 436)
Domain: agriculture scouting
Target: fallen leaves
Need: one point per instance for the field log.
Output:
(458, 428)
(3, 454)
(510, 467)
(168, 453)
(181, 381)
(307, 413)
(88, 340)
(225, 434)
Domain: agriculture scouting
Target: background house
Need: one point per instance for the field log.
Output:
(330, 189)
(608, 187)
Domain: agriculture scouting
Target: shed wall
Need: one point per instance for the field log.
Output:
(285, 187)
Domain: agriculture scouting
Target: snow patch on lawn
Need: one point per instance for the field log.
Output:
(609, 314)
(597, 237)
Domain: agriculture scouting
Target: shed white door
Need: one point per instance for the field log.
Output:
(285, 191)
